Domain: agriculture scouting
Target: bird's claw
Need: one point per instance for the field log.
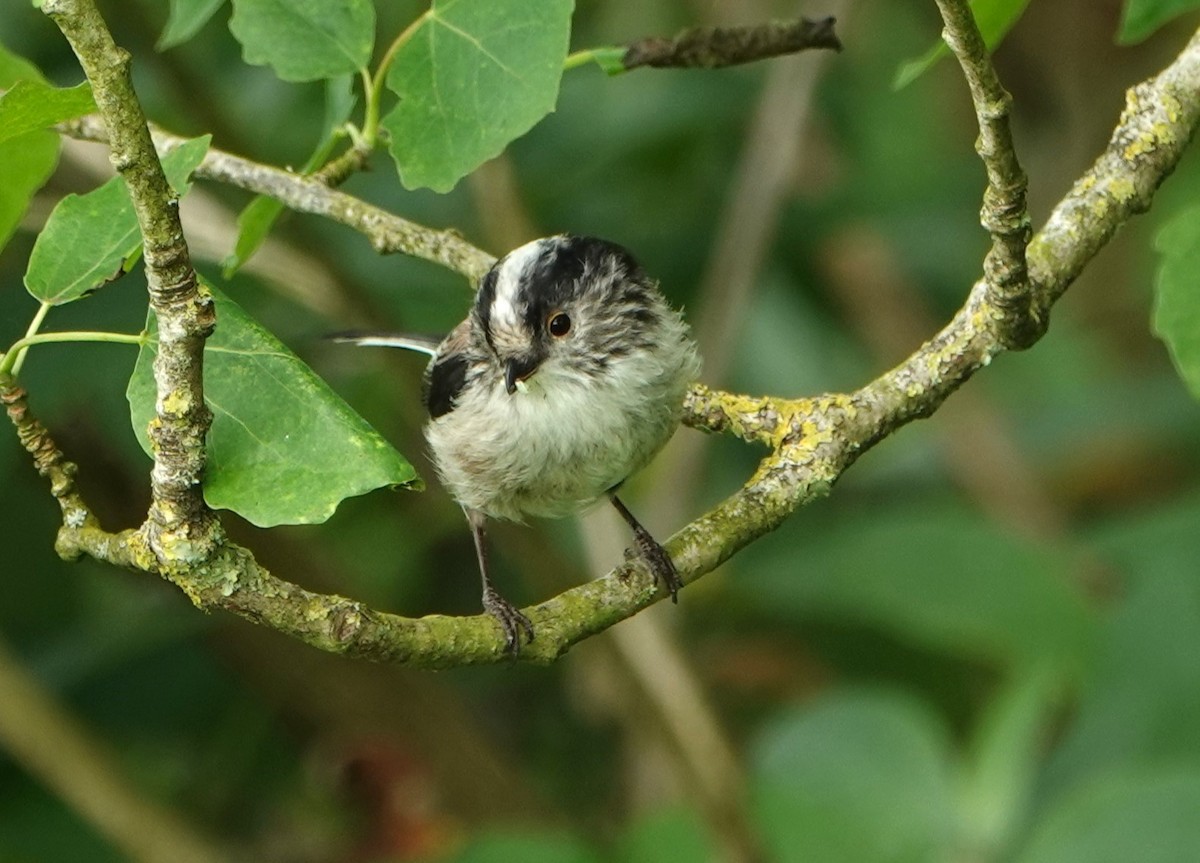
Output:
(511, 620)
(660, 564)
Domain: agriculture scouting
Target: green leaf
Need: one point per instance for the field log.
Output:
(28, 159)
(14, 67)
(185, 20)
(1005, 757)
(305, 40)
(283, 448)
(1141, 702)
(32, 105)
(258, 217)
(528, 847)
(475, 75)
(88, 238)
(1150, 817)
(938, 577)
(254, 224)
(1176, 317)
(994, 18)
(1140, 18)
(666, 836)
(28, 162)
(859, 777)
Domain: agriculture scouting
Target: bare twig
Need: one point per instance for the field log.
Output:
(715, 47)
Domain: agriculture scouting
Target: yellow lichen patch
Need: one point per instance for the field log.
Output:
(315, 609)
(1122, 189)
(176, 402)
(1138, 147)
(1172, 106)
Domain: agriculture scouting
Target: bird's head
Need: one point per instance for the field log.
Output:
(564, 306)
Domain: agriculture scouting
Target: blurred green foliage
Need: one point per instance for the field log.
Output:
(922, 667)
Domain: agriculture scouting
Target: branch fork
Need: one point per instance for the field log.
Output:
(811, 441)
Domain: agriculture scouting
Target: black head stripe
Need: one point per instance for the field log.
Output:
(443, 382)
(557, 278)
(484, 300)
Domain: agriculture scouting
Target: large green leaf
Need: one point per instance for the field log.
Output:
(283, 448)
(938, 577)
(1151, 817)
(28, 162)
(185, 20)
(858, 777)
(88, 238)
(529, 846)
(994, 19)
(1141, 701)
(28, 159)
(1005, 757)
(474, 75)
(31, 105)
(1177, 294)
(305, 40)
(666, 835)
(1142, 17)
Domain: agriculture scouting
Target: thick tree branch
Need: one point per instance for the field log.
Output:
(180, 525)
(1004, 213)
(811, 441)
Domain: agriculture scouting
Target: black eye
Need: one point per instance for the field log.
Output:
(559, 324)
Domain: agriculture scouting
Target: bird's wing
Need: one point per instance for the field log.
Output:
(373, 339)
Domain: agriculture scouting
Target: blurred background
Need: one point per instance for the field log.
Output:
(980, 647)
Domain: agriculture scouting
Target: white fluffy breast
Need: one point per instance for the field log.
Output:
(569, 437)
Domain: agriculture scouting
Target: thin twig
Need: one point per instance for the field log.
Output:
(1004, 214)
(716, 47)
(388, 233)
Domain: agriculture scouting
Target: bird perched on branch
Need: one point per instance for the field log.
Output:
(567, 376)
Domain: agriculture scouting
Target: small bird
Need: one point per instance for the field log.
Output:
(567, 376)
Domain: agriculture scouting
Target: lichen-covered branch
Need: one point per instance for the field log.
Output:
(1004, 213)
(179, 525)
(715, 47)
(809, 442)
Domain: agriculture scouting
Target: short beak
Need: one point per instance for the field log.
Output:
(518, 369)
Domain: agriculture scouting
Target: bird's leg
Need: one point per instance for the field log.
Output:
(654, 554)
(512, 621)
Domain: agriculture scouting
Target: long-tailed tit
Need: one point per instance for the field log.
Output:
(567, 376)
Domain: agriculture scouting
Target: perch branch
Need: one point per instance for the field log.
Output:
(811, 441)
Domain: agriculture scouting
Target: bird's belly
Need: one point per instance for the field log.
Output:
(525, 455)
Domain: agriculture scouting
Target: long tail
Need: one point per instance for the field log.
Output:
(371, 339)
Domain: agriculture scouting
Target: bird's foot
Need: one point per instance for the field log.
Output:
(511, 620)
(659, 561)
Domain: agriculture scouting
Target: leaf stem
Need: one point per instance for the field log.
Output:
(373, 85)
(8, 364)
(34, 325)
(601, 56)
